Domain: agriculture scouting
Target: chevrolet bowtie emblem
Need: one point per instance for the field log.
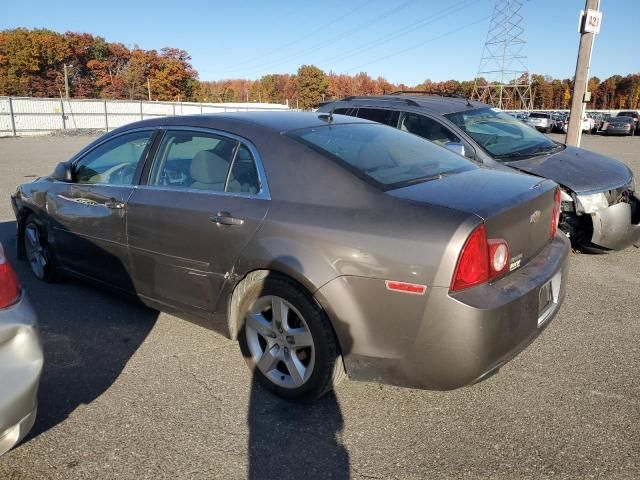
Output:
(535, 216)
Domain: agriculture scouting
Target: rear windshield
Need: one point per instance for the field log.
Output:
(621, 120)
(385, 156)
(627, 114)
(539, 115)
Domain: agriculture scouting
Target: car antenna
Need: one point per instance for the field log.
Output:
(329, 117)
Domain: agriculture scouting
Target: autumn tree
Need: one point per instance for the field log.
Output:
(312, 84)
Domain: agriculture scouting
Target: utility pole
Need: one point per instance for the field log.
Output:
(66, 81)
(590, 21)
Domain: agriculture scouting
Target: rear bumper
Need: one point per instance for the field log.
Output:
(618, 131)
(21, 363)
(454, 339)
(618, 226)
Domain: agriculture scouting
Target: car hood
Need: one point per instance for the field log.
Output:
(577, 169)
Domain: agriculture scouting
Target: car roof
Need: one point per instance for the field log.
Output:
(278, 121)
(434, 103)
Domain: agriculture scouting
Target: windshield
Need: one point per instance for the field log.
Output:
(501, 135)
(385, 156)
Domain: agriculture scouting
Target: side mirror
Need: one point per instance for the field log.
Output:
(455, 147)
(63, 172)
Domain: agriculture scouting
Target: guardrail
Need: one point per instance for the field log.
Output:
(30, 115)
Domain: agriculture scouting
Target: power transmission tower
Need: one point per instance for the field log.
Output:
(503, 79)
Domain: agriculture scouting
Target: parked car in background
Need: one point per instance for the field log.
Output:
(303, 235)
(560, 123)
(635, 114)
(540, 121)
(21, 359)
(600, 208)
(602, 121)
(587, 125)
(620, 126)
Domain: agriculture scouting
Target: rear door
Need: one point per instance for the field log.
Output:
(200, 202)
(88, 216)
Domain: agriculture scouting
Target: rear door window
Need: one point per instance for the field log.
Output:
(344, 111)
(204, 161)
(380, 115)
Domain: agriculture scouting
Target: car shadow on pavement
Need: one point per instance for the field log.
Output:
(291, 440)
(88, 337)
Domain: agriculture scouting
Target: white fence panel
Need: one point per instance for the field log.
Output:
(84, 114)
(25, 116)
(5, 118)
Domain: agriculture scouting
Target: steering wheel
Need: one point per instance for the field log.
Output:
(490, 141)
(123, 175)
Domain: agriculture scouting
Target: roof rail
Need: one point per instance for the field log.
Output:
(408, 101)
(439, 93)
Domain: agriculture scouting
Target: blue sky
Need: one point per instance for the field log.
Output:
(403, 40)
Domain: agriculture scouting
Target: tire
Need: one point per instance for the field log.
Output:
(268, 339)
(547, 130)
(37, 251)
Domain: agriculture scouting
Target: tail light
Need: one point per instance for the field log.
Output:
(480, 260)
(9, 285)
(555, 218)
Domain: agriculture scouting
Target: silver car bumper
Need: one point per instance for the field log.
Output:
(613, 227)
(21, 363)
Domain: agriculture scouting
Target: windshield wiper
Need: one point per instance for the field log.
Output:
(535, 153)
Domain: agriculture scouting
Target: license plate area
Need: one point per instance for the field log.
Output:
(548, 298)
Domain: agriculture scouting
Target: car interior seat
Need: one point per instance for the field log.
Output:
(209, 171)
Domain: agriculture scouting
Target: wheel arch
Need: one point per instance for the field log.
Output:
(21, 218)
(234, 322)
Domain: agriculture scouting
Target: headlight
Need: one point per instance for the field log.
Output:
(592, 203)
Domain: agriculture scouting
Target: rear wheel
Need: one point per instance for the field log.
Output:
(287, 339)
(38, 251)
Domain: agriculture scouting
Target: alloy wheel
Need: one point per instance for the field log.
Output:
(280, 341)
(35, 251)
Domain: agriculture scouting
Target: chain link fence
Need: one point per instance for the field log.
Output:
(33, 116)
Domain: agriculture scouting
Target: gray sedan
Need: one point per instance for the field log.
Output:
(326, 245)
(20, 359)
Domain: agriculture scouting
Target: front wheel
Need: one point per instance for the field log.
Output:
(38, 251)
(287, 339)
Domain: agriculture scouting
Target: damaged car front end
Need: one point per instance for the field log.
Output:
(604, 220)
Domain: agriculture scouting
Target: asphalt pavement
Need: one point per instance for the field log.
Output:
(131, 393)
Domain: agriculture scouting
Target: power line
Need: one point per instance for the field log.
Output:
(332, 39)
(438, 37)
(304, 37)
(400, 32)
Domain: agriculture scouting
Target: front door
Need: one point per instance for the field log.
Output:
(88, 216)
(203, 201)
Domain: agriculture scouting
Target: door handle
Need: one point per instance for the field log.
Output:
(114, 204)
(225, 218)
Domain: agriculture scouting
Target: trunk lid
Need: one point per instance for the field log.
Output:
(517, 208)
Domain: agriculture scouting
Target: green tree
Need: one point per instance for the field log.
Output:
(312, 84)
